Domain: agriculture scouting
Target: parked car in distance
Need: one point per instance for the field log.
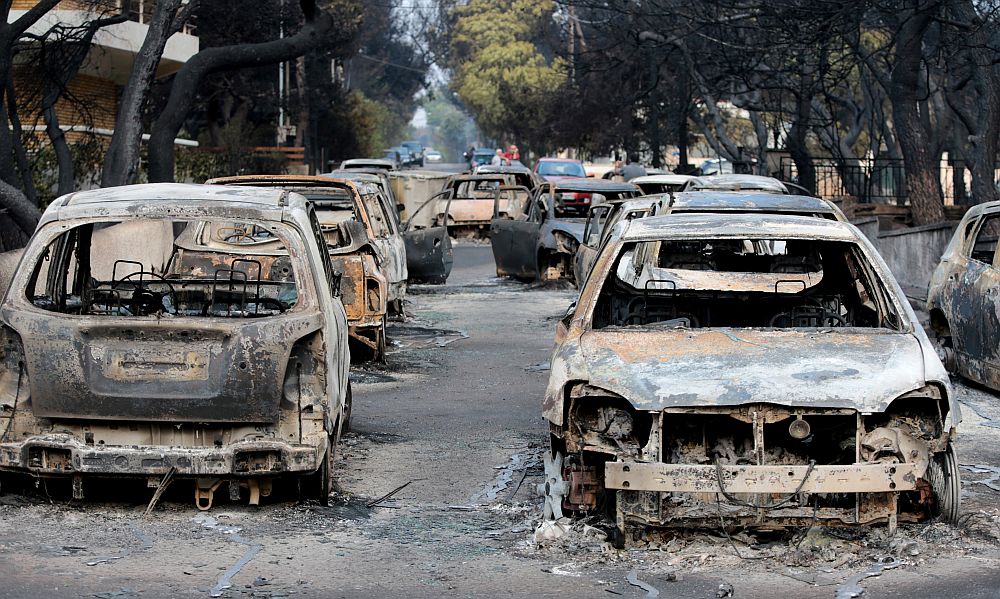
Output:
(554, 169)
(718, 364)
(390, 155)
(541, 240)
(190, 329)
(416, 152)
(653, 184)
(483, 156)
(962, 298)
(433, 156)
(350, 228)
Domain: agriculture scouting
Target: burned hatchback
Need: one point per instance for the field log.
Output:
(175, 332)
(747, 369)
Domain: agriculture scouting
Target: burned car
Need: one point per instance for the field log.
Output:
(156, 331)
(522, 175)
(348, 229)
(469, 210)
(962, 297)
(655, 184)
(747, 369)
(603, 217)
(540, 241)
(375, 176)
(736, 182)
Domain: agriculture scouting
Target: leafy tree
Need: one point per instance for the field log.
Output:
(501, 70)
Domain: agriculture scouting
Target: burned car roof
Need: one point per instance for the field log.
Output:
(593, 185)
(749, 201)
(173, 192)
(749, 225)
(737, 182)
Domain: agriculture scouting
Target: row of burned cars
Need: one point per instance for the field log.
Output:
(738, 355)
(202, 332)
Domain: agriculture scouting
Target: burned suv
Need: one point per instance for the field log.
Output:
(159, 331)
(747, 369)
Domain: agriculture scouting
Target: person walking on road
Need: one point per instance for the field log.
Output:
(633, 169)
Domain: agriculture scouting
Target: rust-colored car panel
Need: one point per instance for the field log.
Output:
(747, 369)
(364, 285)
(472, 196)
(179, 330)
(962, 297)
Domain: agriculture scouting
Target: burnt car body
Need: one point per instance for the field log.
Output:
(363, 283)
(655, 184)
(736, 182)
(747, 369)
(521, 174)
(469, 209)
(375, 176)
(541, 240)
(603, 217)
(366, 164)
(601, 220)
(962, 297)
(148, 334)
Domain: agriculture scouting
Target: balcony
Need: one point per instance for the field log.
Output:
(115, 47)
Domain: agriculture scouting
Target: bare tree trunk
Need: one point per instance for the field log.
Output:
(20, 154)
(24, 214)
(760, 131)
(319, 30)
(122, 161)
(9, 34)
(920, 164)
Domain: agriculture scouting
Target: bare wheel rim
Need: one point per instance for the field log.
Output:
(945, 480)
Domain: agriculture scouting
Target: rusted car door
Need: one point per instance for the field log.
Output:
(514, 240)
(429, 256)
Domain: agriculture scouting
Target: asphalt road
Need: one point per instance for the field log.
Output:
(454, 417)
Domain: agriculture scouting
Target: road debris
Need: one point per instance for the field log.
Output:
(651, 591)
(725, 590)
(164, 483)
(852, 588)
(232, 533)
(375, 502)
(993, 482)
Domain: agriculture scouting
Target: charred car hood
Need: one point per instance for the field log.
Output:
(849, 368)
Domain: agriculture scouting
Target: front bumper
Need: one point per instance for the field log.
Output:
(62, 454)
(694, 478)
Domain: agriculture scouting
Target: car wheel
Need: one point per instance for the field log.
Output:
(946, 483)
(946, 352)
(345, 426)
(380, 346)
(319, 484)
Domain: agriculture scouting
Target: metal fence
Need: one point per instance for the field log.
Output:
(878, 181)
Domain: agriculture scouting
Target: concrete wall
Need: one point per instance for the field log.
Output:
(912, 254)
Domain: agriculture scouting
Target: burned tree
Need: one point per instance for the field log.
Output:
(321, 28)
